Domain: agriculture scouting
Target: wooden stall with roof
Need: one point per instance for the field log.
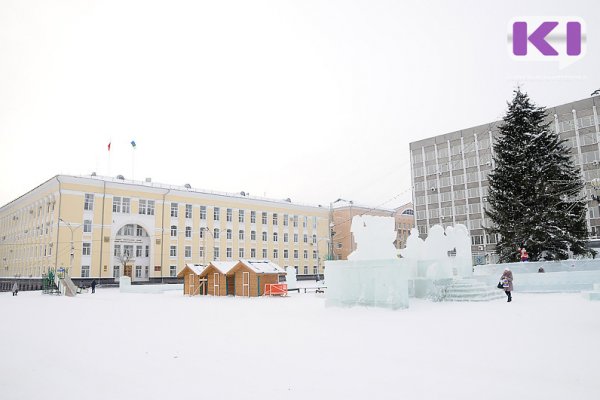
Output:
(251, 276)
(218, 280)
(193, 284)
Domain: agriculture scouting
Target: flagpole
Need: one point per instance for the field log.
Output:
(108, 159)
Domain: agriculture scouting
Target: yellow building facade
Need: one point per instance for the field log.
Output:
(103, 227)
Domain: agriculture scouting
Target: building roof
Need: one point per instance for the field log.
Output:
(223, 266)
(262, 266)
(195, 268)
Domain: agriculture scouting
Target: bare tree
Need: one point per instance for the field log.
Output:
(125, 257)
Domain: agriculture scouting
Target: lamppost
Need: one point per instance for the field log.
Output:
(349, 221)
(316, 245)
(202, 230)
(72, 244)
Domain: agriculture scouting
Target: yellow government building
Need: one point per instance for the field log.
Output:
(104, 227)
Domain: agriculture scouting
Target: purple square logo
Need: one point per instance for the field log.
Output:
(560, 39)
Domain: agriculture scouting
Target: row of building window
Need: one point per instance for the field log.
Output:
(241, 253)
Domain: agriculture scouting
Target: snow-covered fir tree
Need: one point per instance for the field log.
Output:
(536, 196)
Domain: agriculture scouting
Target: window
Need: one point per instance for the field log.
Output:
(252, 217)
(144, 207)
(116, 204)
(201, 251)
(241, 252)
(126, 207)
(174, 209)
(139, 231)
(274, 218)
(241, 234)
(275, 254)
(285, 220)
(305, 253)
(88, 203)
(188, 231)
(295, 238)
(173, 251)
(264, 236)
(188, 251)
(87, 226)
(147, 251)
(138, 251)
(306, 270)
(150, 207)
(252, 253)
(138, 271)
(188, 211)
(305, 238)
(202, 212)
(476, 239)
(275, 236)
(253, 235)
(117, 252)
(286, 253)
(314, 254)
(173, 230)
(229, 234)
(241, 216)
(202, 229)
(116, 271)
(216, 213)
(128, 250)
(315, 270)
(286, 237)
(173, 271)
(408, 211)
(85, 271)
(216, 233)
(264, 218)
(86, 250)
(314, 239)
(229, 215)
(296, 254)
(264, 253)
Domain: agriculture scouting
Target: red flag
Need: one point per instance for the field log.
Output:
(109, 146)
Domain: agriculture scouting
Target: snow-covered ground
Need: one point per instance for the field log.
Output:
(166, 346)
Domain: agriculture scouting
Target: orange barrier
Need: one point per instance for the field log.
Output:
(276, 289)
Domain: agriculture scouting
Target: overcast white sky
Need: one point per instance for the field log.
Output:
(312, 100)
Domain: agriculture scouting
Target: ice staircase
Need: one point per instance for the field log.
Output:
(593, 294)
(463, 289)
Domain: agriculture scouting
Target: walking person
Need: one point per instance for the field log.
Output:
(524, 255)
(94, 286)
(15, 289)
(507, 283)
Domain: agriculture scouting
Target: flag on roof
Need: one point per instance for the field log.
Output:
(109, 145)
(133, 144)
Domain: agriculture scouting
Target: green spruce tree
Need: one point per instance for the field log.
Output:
(536, 196)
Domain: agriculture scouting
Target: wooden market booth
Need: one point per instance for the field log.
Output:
(241, 278)
(193, 284)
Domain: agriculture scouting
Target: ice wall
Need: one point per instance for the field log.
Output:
(373, 274)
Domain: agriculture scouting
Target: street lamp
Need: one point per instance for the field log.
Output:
(205, 229)
(316, 245)
(72, 244)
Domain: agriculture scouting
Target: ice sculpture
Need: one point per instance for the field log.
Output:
(373, 275)
(290, 277)
(433, 263)
(374, 237)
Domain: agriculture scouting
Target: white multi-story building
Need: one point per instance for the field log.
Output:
(450, 172)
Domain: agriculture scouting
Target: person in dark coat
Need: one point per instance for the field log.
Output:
(507, 283)
(94, 286)
(15, 289)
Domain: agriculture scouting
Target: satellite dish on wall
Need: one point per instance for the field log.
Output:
(121, 177)
(187, 186)
(243, 193)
